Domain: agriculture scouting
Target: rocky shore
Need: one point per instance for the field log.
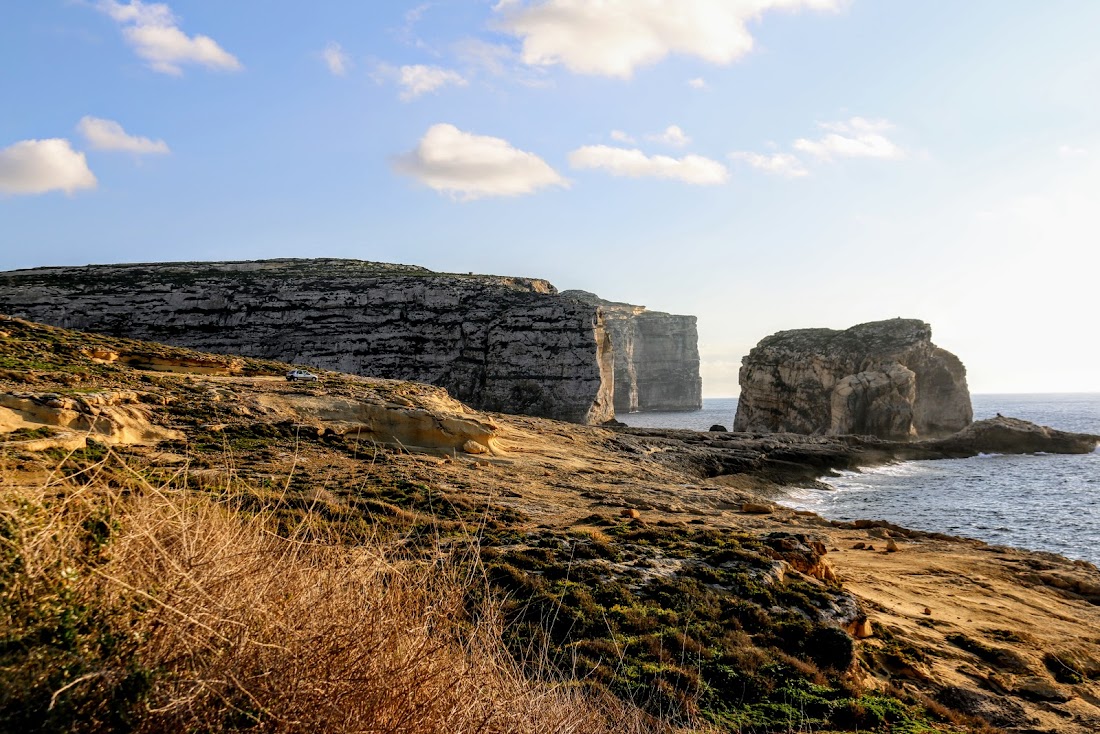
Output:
(648, 565)
(793, 458)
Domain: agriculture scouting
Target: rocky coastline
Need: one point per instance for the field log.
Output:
(508, 344)
(608, 547)
(799, 459)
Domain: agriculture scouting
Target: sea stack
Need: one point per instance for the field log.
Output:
(656, 356)
(884, 378)
(512, 345)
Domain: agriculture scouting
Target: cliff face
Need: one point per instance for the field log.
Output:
(884, 378)
(656, 356)
(505, 344)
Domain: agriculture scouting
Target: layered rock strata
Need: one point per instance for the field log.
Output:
(884, 378)
(505, 344)
(656, 356)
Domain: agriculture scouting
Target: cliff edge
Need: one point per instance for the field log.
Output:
(883, 378)
(498, 343)
(656, 356)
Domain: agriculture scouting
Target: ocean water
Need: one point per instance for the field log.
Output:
(716, 411)
(1042, 502)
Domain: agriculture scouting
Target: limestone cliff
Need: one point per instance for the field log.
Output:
(884, 378)
(656, 356)
(498, 343)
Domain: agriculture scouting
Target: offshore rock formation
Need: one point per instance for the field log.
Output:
(1004, 435)
(656, 356)
(884, 378)
(505, 344)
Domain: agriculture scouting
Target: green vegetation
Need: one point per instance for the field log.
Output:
(226, 581)
(28, 434)
(686, 624)
(130, 607)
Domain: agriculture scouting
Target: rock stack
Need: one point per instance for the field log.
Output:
(884, 378)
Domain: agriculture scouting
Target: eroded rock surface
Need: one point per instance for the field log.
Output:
(506, 344)
(656, 356)
(884, 378)
(1003, 435)
(114, 417)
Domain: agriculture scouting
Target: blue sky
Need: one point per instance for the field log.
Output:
(763, 164)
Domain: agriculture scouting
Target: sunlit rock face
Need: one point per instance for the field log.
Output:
(884, 378)
(656, 356)
(506, 344)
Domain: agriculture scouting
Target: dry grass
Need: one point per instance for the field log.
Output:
(131, 607)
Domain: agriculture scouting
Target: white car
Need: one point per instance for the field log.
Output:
(302, 375)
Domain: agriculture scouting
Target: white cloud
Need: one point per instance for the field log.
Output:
(38, 166)
(498, 60)
(495, 58)
(698, 83)
(420, 79)
(407, 33)
(780, 164)
(621, 136)
(336, 60)
(854, 138)
(109, 135)
(152, 29)
(672, 135)
(614, 37)
(632, 163)
(471, 166)
(1071, 151)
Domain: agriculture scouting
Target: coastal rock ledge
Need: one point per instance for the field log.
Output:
(883, 378)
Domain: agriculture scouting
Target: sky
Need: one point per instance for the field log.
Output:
(761, 164)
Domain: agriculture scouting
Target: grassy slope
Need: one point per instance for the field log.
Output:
(681, 621)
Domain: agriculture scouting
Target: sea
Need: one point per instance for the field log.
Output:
(1039, 502)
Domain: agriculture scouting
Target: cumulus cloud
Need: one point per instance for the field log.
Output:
(698, 83)
(108, 135)
(633, 163)
(672, 135)
(780, 164)
(622, 137)
(857, 137)
(335, 59)
(38, 166)
(615, 37)
(153, 31)
(469, 166)
(420, 79)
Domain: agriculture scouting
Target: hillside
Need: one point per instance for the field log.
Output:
(592, 579)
